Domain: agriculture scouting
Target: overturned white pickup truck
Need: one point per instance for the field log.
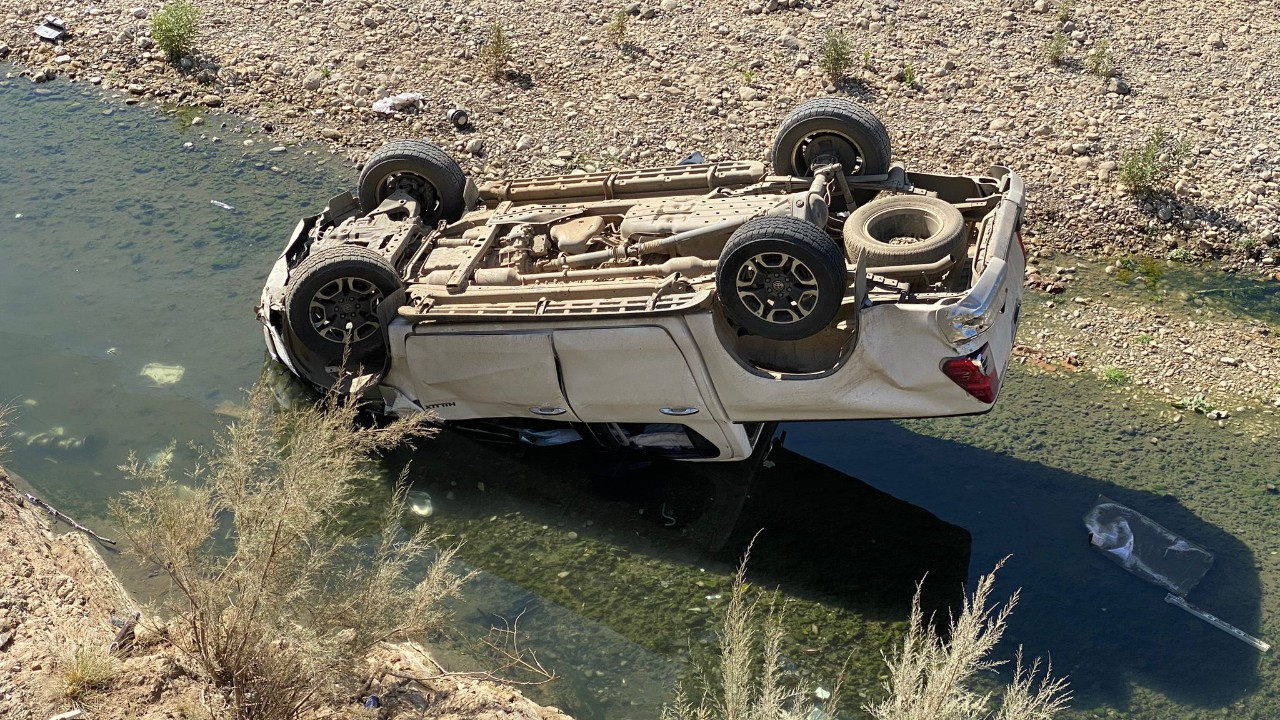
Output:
(675, 309)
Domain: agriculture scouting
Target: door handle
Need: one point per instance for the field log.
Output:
(678, 411)
(547, 410)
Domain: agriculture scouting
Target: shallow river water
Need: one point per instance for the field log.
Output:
(113, 257)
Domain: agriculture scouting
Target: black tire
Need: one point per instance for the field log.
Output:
(781, 278)
(838, 127)
(905, 230)
(433, 175)
(335, 287)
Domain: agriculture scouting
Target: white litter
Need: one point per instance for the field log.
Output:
(419, 503)
(219, 203)
(388, 105)
(163, 375)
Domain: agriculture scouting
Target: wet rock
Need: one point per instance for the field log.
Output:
(211, 100)
(135, 89)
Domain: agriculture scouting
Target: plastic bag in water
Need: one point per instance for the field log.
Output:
(1145, 548)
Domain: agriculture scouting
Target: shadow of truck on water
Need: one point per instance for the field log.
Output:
(1104, 628)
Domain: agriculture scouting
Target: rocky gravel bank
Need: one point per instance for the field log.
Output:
(594, 84)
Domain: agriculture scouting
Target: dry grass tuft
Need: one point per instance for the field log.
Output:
(930, 679)
(747, 691)
(84, 671)
(277, 591)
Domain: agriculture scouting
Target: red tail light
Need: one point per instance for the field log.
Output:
(975, 373)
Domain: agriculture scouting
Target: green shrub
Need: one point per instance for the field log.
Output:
(616, 30)
(174, 28)
(1146, 168)
(1057, 48)
(837, 55)
(1065, 8)
(909, 73)
(1114, 376)
(496, 52)
(1101, 61)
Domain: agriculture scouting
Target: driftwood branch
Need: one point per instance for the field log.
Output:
(60, 516)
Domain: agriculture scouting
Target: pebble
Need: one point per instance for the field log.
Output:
(475, 146)
(278, 150)
(330, 134)
(211, 100)
(524, 143)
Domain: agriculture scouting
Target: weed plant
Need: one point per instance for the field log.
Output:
(84, 670)
(1114, 376)
(616, 30)
(1145, 169)
(837, 55)
(928, 679)
(1100, 60)
(277, 595)
(1056, 50)
(175, 27)
(495, 54)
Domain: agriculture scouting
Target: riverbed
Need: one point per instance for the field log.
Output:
(129, 265)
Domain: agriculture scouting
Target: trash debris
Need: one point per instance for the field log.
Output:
(1147, 549)
(419, 503)
(458, 117)
(219, 203)
(372, 702)
(52, 29)
(693, 158)
(389, 105)
(163, 375)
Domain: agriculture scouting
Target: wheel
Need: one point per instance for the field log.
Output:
(904, 230)
(332, 298)
(781, 278)
(421, 168)
(822, 129)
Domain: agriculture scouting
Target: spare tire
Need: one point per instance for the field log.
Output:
(838, 128)
(905, 230)
(781, 278)
(332, 298)
(424, 170)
